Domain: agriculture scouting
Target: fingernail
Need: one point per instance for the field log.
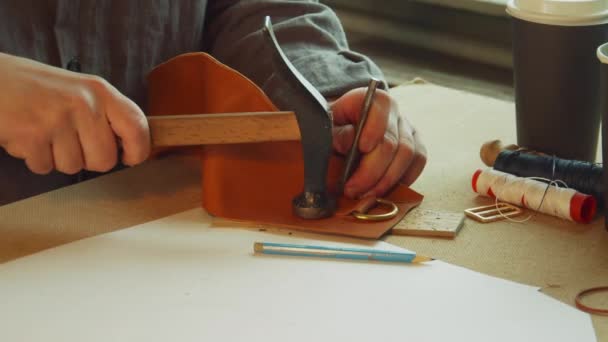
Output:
(351, 191)
(367, 145)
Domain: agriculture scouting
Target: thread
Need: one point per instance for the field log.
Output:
(582, 176)
(565, 203)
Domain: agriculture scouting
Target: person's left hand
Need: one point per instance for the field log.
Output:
(391, 150)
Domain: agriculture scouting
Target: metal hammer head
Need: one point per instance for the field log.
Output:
(315, 123)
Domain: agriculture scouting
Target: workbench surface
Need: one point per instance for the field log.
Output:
(558, 256)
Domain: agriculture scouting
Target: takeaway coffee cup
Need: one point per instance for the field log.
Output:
(556, 74)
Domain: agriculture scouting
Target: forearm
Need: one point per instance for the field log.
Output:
(309, 33)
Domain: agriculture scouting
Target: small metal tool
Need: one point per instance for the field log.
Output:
(315, 123)
(354, 154)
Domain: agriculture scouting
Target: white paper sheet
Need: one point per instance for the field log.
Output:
(177, 279)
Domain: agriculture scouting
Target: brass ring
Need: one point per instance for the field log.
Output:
(589, 309)
(378, 217)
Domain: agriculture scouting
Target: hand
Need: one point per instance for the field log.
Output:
(57, 119)
(391, 150)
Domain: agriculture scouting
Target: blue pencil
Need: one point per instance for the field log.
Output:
(337, 252)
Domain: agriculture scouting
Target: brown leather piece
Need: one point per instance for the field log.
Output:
(253, 182)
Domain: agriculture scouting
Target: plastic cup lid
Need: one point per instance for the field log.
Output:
(602, 53)
(560, 12)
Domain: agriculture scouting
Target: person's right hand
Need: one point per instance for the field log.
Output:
(58, 119)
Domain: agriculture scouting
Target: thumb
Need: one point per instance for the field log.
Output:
(343, 137)
(131, 127)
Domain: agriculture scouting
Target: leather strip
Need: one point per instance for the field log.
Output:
(254, 182)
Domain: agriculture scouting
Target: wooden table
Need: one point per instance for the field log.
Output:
(558, 256)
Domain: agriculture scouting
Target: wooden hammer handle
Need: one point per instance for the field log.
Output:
(228, 128)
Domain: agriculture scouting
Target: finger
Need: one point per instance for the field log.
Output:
(372, 167)
(418, 163)
(67, 153)
(98, 142)
(343, 137)
(38, 158)
(42, 161)
(15, 150)
(380, 122)
(399, 166)
(347, 110)
(131, 127)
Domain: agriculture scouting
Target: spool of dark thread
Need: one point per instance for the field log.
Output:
(582, 176)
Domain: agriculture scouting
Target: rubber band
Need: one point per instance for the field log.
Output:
(589, 309)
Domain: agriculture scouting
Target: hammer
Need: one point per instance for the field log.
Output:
(305, 116)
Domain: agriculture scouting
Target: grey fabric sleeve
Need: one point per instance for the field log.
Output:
(309, 33)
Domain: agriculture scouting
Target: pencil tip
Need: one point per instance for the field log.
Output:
(420, 258)
(258, 247)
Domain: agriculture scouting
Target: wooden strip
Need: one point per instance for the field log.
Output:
(228, 128)
(430, 223)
